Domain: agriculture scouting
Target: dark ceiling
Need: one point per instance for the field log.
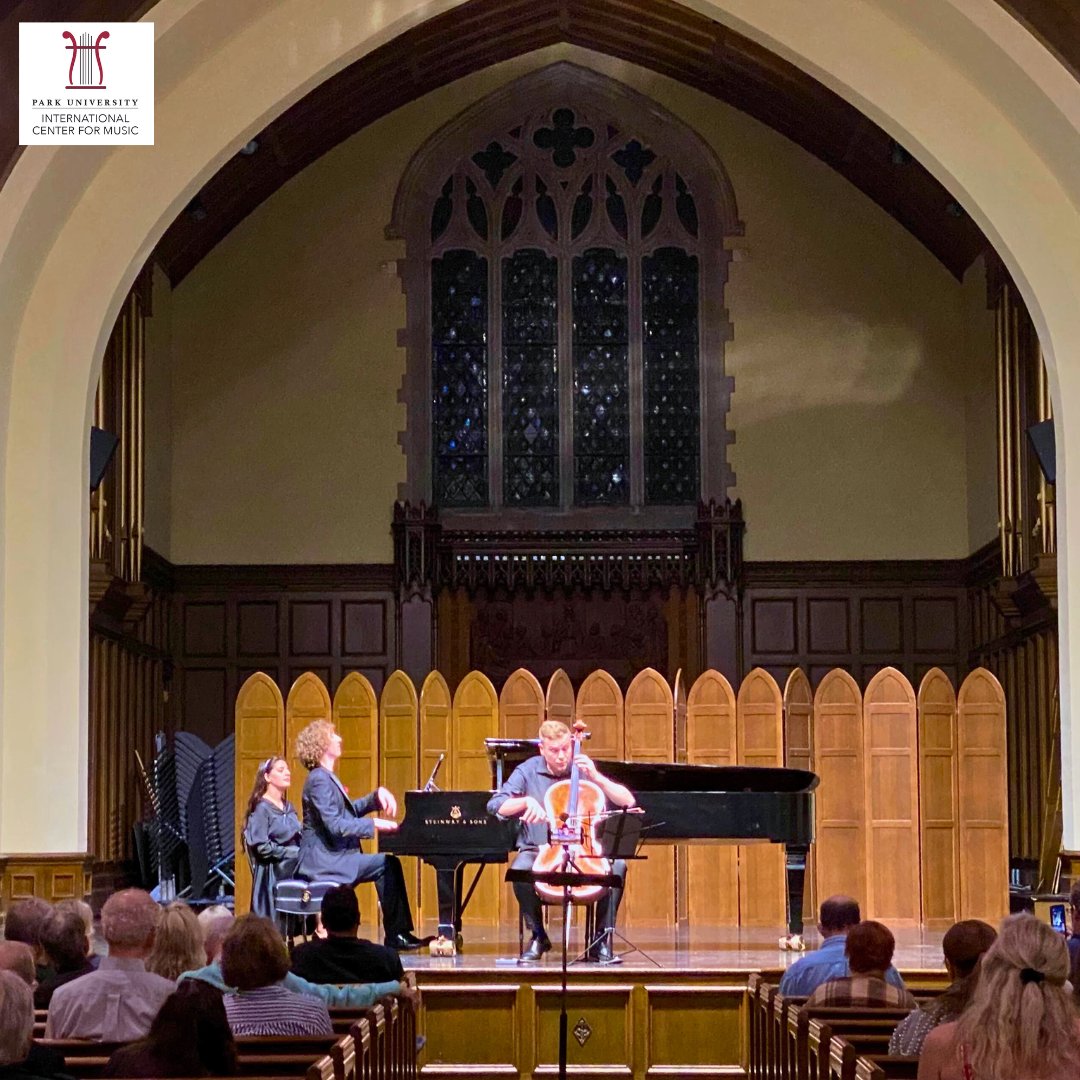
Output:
(658, 34)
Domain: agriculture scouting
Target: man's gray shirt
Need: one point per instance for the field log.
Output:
(529, 778)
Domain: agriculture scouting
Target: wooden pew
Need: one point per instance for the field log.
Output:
(886, 1067)
(860, 1026)
(755, 989)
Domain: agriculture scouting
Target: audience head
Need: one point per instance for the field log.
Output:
(18, 957)
(869, 948)
(191, 1032)
(340, 911)
(64, 940)
(1021, 1012)
(838, 915)
(85, 912)
(16, 1018)
(23, 922)
(556, 746)
(214, 934)
(128, 922)
(178, 943)
(314, 741)
(254, 954)
(964, 943)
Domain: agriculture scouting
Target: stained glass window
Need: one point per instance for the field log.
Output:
(669, 311)
(530, 379)
(459, 315)
(601, 378)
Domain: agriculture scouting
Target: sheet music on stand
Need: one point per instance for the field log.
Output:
(619, 834)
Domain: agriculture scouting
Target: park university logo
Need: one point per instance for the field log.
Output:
(86, 84)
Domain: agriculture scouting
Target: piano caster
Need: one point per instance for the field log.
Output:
(442, 946)
(792, 943)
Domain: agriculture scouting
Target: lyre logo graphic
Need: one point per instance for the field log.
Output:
(86, 53)
(455, 813)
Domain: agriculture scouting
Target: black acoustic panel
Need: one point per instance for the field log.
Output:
(1042, 442)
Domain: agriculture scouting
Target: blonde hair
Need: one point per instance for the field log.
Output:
(313, 742)
(1021, 1020)
(178, 944)
(553, 729)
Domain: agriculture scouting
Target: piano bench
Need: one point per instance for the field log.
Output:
(294, 898)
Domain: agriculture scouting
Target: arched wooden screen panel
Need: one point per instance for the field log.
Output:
(840, 808)
(600, 705)
(891, 763)
(399, 757)
(799, 754)
(308, 700)
(712, 869)
(521, 706)
(649, 719)
(938, 801)
(260, 733)
(680, 716)
(476, 718)
(760, 735)
(983, 798)
(560, 697)
(435, 718)
(356, 717)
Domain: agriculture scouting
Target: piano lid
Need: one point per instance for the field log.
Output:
(670, 776)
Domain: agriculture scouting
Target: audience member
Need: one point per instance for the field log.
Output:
(23, 923)
(16, 1027)
(356, 996)
(1021, 1023)
(117, 1002)
(215, 931)
(342, 957)
(963, 945)
(190, 1036)
(178, 943)
(64, 942)
(836, 917)
(869, 950)
(18, 958)
(254, 960)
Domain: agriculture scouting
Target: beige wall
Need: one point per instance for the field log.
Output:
(158, 399)
(863, 388)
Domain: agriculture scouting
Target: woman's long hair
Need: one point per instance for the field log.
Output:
(259, 790)
(178, 943)
(1021, 1020)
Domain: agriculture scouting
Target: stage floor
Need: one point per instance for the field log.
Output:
(701, 950)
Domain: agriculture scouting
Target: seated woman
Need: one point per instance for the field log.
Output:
(64, 940)
(190, 1036)
(271, 833)
(178, 943)
(254, 960)
(1021, 1023)
(334, 825)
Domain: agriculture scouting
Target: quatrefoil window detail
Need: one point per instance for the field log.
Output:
(633, 159)
(563, 139)
(494, 161)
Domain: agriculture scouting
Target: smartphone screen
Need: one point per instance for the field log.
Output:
(1057, 917)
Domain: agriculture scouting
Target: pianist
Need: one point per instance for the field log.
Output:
(522, 797)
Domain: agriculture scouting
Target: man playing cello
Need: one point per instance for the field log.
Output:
(522, 797)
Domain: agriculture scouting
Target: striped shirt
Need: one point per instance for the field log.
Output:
(861, 990)
(273, 1010)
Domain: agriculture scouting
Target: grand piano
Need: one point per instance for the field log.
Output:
(683, 804)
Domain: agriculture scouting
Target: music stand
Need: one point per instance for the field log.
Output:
(566, 881)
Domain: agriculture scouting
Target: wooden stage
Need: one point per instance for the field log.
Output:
(686, 1017)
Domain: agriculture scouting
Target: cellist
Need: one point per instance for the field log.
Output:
(522, 797)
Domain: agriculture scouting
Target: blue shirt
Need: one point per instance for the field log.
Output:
(822, 966)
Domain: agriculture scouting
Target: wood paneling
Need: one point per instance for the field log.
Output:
(560, 698)
(938, 802)
(47, 877)
(799, 754)
(891, 771)
(840, 807)
(712, 871)
(260, 734)
(521, 706)
(649, 719)
(600, 705)
(760, 734)
(982, 772)
(435, 720)
(308, 700)
(399, 756)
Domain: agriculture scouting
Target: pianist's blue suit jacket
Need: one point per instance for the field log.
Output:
(333, 827)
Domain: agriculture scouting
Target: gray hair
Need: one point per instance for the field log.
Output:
(16, 1018)
(214, 934)
(129, 919)
(210, 914)
(18, 957)
(82, 909)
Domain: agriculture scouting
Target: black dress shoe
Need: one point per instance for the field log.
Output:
(403, 942)
(535, 949)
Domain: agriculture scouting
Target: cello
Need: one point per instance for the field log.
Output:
(574, 808)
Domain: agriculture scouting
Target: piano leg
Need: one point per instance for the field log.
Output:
(448, 886)
(796, 878)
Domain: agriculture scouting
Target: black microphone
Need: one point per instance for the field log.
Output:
(430, 785)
